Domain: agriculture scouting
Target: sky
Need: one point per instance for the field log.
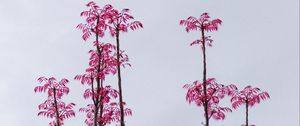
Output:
(257, 44)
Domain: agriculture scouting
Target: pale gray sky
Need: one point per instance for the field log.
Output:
(258, 44)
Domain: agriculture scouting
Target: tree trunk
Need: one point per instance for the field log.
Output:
(98, 99)
(204, 79)
(119, 79)
(56, 108)
(101, 123)
(96, 115)
(247, 124)
(98, 103)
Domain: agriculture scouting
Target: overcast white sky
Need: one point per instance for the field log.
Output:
(258, 44)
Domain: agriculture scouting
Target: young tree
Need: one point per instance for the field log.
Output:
(110, 111)
(95, 25)
(53, 107)
(249, 96)
(103, 62)
(103, 109)
(215, 92)
(120, 22)
(203, 93)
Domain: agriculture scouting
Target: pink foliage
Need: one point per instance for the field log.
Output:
(108, 63)
(249, 95)
(121, 21)
(203, 23)
(215, 92)
(53, 107)
(98, 19)
(104, 61)
(111, 112)
(95, 20)
(108, 66)
(206, 39)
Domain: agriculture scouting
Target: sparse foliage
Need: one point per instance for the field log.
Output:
(203, 93)
(105, 60)
(215, 92)
(106, 103)
(203, 24)
(120, 21)
(95, 20)
(54, 107)
(248, 96)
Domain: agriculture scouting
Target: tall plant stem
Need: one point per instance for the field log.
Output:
(247, 113)
(99, 81)
(119, 79)
(56, 108)
(101, 105)
(204, 79)
(97, 101)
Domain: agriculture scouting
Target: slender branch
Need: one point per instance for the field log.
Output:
(101, 105)
(204, 78)
(211, 114)
(93, 91)
(247, 123)
(96, 103)
(56, 108)
(122, 123)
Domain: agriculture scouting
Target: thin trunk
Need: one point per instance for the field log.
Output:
(119, 79)
(95, 104)
(96, 115)
(56, 108)
(204, 79)
(247, 113)
(98, 88)
(101, 106)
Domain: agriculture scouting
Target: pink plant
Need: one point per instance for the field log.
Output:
(110, 112)
(203, 24)
(103, 61)
(248, 96)
(53, 107)
(215, 92)
(100, 65)
(120, 22)
(103, 111)
(95, 20)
